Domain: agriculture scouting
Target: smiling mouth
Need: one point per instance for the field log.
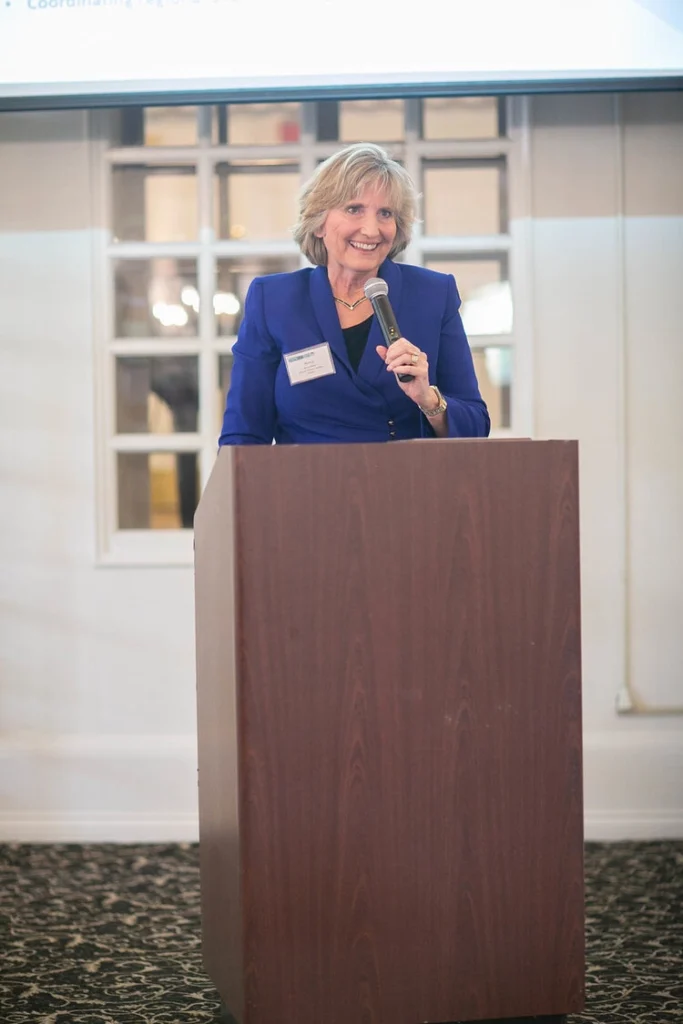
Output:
(364, 246)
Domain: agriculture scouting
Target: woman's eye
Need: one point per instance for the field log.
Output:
(352, 209)
(386, 214)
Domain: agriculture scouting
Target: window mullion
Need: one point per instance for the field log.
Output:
(518, 117)
(208, 371)
(463, 149)
(152, 250)
(153, 156)
(204, 116)
(287, 152)
(100, 127)
(162, 346)
(148, 442)
(464, 244)
(411, 160)
(230, 247)
(480, 341)
(307, 154)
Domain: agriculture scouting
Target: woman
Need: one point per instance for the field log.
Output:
(310, 365)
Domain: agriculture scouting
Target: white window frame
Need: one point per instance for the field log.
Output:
(117, 547)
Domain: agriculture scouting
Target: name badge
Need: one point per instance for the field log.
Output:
(309, 363)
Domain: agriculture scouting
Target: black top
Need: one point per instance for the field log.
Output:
(356, 339)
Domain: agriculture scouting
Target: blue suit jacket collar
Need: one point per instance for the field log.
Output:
(326, 314)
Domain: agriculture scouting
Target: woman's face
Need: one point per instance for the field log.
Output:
(359, 236)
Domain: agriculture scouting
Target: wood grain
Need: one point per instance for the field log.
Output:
(408, 691)
(220, 851)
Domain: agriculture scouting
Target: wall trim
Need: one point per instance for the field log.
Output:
(44, 744)
(616, 826)
(97, 827)
(632, 786)
(631, 735)
(27, 827)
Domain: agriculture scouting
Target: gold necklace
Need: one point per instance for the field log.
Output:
(350, 305)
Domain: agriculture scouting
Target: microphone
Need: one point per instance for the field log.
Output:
(377, 291)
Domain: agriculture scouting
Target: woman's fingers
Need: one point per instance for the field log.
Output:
(402, 357)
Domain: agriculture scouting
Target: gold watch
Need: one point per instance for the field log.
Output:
(441, 407)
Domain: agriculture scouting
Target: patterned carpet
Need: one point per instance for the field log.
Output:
(111, 935)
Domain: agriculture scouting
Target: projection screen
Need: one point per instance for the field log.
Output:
(100, 52)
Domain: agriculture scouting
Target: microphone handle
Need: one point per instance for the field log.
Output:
(387, 321)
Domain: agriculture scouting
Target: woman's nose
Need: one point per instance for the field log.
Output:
(370, 224)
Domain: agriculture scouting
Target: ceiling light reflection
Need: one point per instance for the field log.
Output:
(488, 310)
(190, 296)
(225, 304)
(169, 314)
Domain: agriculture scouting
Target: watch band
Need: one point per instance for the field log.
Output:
(441, 407)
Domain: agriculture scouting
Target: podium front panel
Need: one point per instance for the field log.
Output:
(407, 686)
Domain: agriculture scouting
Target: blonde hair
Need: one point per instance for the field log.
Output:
(341, 178)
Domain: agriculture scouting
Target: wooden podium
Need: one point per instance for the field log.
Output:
(390, 791)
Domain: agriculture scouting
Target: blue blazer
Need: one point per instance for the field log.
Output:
(287, 312)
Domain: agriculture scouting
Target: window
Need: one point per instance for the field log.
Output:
(196, 202)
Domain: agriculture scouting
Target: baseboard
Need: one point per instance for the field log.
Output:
(600, 826)
(99, 788)
(20, 827)
(615, 826)
(633, 782)
(145, 787)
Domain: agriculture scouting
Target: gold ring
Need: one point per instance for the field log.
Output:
(414, 356)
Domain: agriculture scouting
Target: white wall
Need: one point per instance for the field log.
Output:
(607, 206)
(97, 664)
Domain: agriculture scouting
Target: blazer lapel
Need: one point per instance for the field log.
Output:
(371, 366)
(326, 315)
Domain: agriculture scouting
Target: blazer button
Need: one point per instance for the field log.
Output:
(392, 433)
(390, 423)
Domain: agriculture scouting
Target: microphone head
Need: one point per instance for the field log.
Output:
(375, 287)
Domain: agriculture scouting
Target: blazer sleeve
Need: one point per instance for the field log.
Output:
(250, 405)
(455, 376)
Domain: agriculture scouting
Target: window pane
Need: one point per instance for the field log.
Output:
(256, 124)
(154, 204)
(224, 373)
(156, 395)
(157, 490)
(461, 117)
(463, 198)
(155, 126)
(484, 290)
(233, 278)
(255, 201)
(170, 126)
(493, 367)
(371, 120)
(156, 298)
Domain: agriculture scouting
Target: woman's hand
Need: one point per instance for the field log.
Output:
(404, 357)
